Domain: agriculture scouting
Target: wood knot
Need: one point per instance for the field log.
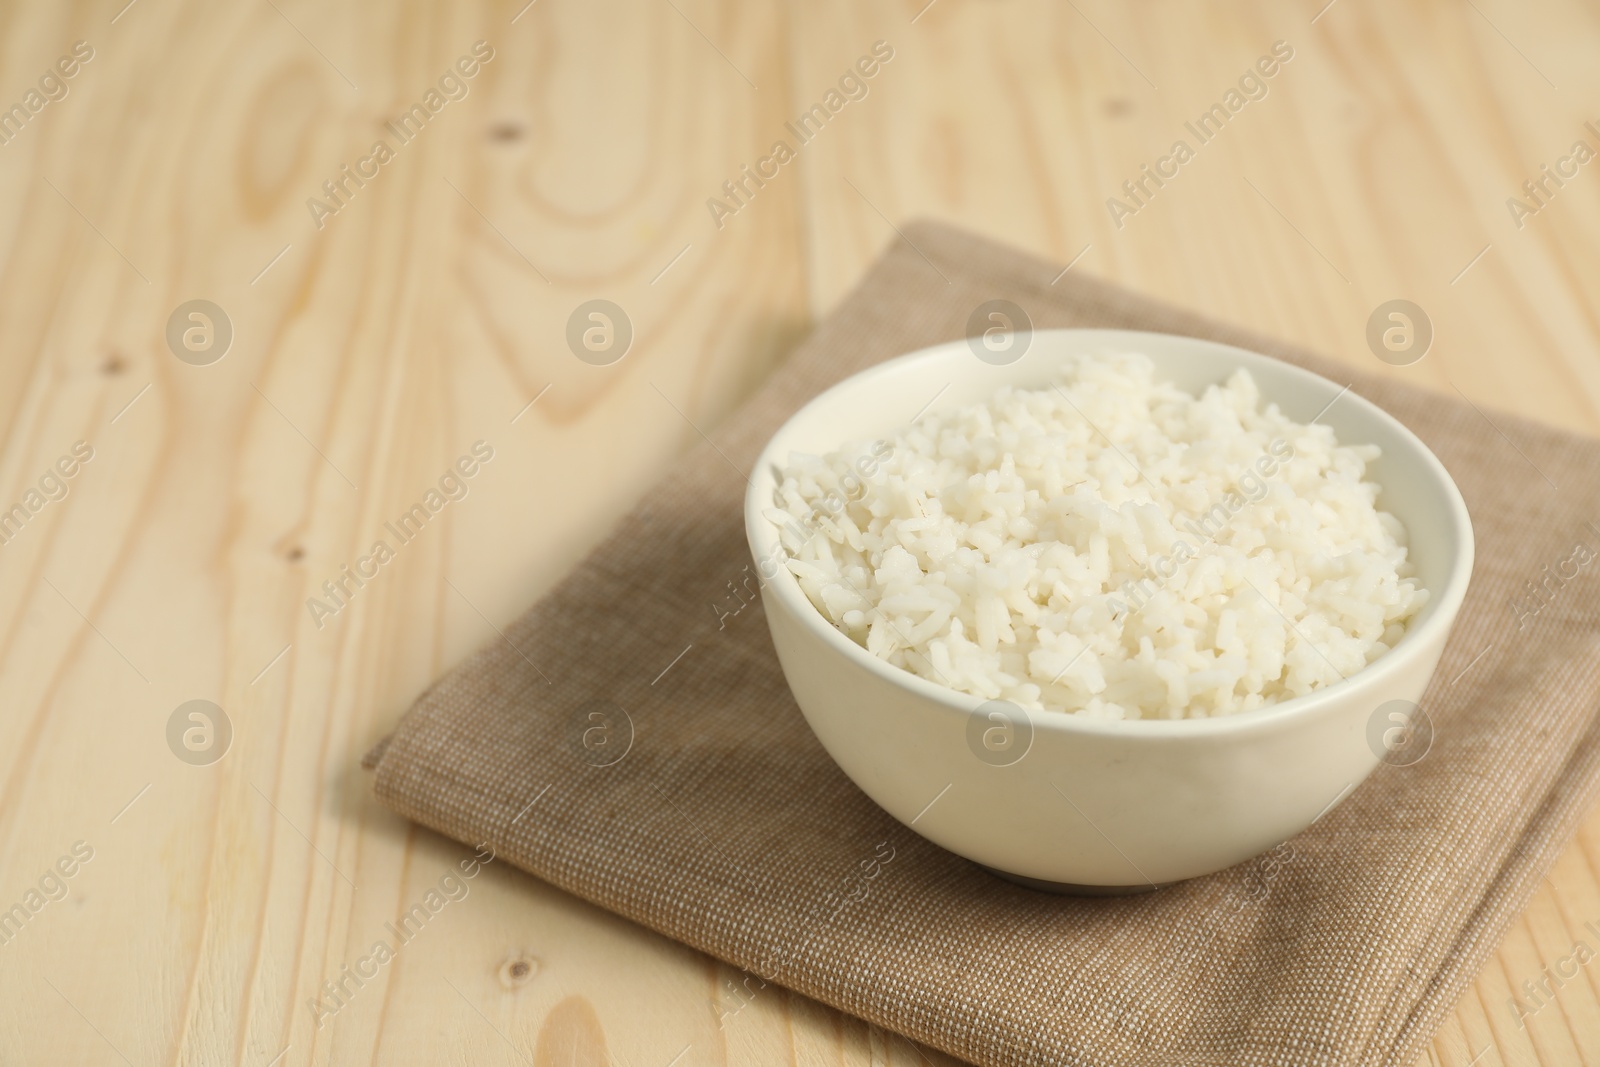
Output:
(518, 971)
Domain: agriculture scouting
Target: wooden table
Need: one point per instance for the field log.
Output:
(372, 345)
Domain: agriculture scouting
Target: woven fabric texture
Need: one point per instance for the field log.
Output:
(725, 825)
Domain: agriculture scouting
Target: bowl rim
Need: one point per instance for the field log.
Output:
(761, 537)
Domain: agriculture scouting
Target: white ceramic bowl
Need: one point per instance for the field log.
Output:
(1114, 805)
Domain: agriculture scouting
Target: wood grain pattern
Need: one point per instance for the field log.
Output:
(430, 311)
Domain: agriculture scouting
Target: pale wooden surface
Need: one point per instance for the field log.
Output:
(431, 310)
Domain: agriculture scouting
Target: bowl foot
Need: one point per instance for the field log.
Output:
(1068, 889)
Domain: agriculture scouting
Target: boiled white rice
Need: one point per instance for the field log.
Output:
(1108, 546)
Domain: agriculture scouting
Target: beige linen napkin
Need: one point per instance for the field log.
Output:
(682, 789)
